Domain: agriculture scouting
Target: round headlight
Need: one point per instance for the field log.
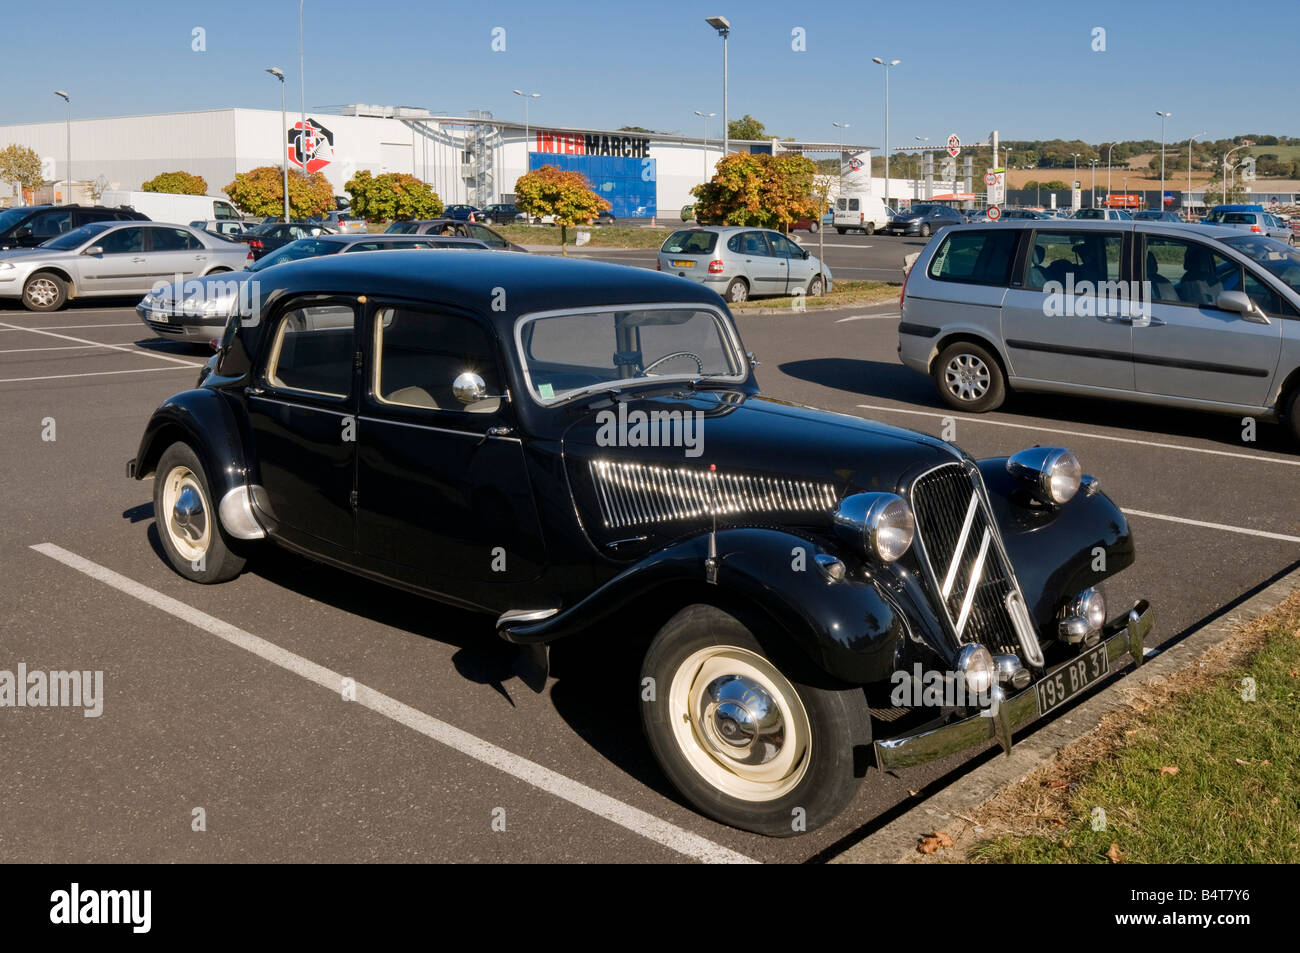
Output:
(978, 668)
(1053, 473)
(1092, 606)
(880, 522)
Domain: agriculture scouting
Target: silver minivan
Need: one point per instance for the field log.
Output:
(1190, 316)
(741, 262)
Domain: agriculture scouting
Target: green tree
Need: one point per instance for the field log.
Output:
(260, 192)
(761, 190)
(22, 166)
(176, 183)
(1215, 194)
(563, 194)
(747, 127)
(393, 196)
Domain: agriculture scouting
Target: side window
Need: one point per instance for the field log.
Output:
(977, 257)
(49, 224)
(1186, 272)
(369, 246)
(1264, 297)
(419, 354)
(223, 210)
(172, 239)
(782, 247)
(488, 237)
(734, 244)
(314, 350)
(1067, 258)
(752, 243)
(122, 241)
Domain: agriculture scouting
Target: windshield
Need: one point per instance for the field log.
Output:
(75, 238)
(295, 251)
(567, 354)
(1277, 258)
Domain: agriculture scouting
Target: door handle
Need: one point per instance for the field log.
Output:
(1114, 319)
(252, 391)
(137, 259)
(1147, 323)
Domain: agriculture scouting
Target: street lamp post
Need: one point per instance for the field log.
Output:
(723, 26)
(527, 97)
(841, 126)
(1188, 203)
(1109, 151)
(1244, 144)
(1094, 182)
(881, 62)
(1163, 116)
(67, 191)
(279, 74)
(705, 163)
(302, 90)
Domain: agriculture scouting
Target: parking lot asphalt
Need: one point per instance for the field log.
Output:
(220, 698)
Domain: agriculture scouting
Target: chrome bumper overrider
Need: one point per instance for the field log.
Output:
(1126, 634)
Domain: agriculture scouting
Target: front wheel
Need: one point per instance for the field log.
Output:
(740, 735)
(969, 378)
(841, 230)
(816, 287)
(870, 229)
(925, 231)
(813, 228)
(188, 522)
(45, 292)
(1291, 410)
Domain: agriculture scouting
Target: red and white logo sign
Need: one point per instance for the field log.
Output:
(954, 146)
(311, 147)
(994, 213)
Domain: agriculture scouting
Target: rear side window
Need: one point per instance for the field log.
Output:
(691, 242)
(1069, 259)
(976, 256)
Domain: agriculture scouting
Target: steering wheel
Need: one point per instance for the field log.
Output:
(668, 357)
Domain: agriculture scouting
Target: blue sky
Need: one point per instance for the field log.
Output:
(1025, 68)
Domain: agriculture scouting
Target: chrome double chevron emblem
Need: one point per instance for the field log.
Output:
(977, 571)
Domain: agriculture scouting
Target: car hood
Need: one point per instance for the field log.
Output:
(653, 466)
(223, 290)
(12, 254)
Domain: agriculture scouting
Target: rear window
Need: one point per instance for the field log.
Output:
(976, 256)
(690, 242)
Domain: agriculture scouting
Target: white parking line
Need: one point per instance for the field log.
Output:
(70, 327)
(129, 349)
(59, 377)
(631, 818)
(63, 347)
(1080, 433)
(1219, 526)
(868, 317)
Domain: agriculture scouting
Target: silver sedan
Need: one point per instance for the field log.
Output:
(104, 259)
(741, 262)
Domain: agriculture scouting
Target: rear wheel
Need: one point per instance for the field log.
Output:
(969, 378)
(740, 735)
(814, 228)
(188, 522)
(737, 291)
(45, 292)
(870, 229)
(1292, 413)
(841, 230)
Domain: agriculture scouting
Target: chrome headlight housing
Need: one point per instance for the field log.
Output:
(978, 669)
(880, 523)
(1053, 474)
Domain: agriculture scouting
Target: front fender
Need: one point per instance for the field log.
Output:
(860, 629)
(203, 419)
(1057, 552)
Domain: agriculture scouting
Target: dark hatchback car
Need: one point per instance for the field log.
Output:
(591, 454)
(269, 236)
(27, 226)
(923, 220)
(502, 212)
(451, 227)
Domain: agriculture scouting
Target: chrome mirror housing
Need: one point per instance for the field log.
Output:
(470, 388)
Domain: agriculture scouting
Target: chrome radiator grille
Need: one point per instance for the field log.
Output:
(630, 494)
(966, 567)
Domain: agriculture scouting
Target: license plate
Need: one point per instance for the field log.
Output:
(162, 317)
(1070, 679)
(683, 263)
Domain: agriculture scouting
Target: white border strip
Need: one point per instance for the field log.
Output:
(576, 793)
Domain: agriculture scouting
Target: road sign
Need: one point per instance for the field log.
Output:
(954, 146)
(990, 178)
(994, 213)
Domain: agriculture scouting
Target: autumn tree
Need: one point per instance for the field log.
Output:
(22, 166)
(393, 196)
(260, 192)
(176, 183)
(760, 190)
(560, 193)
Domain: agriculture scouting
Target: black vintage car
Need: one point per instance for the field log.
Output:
(573, 447)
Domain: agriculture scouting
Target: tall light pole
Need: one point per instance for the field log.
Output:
(1188, 203)
(1094, 182)
(67, 191)
(302, 89)
(1244, 144)
(723, 26)
(841, 126)
(280, 144)
(1163, 116)
(527, 97)
(878, 60)
(1110, 149)
(706, 117)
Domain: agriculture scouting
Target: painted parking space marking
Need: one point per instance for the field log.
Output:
(1080, 433)
(60, 377)
(127, 349)
(1219, 526)
(602, 805)
(869, 317)
(70, 327)
(66, 347)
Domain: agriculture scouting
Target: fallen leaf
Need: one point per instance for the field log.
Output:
(932, 842)
(1058, 783)
(1169, 769)
(1115, 854)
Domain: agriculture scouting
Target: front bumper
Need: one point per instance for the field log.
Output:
(181, 325)
(1126, 634)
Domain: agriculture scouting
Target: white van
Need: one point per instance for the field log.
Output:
(167, 207)
(860, 212)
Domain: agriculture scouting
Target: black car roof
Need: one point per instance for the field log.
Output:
(484, 280)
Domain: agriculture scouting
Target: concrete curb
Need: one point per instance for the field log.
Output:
(896, 842)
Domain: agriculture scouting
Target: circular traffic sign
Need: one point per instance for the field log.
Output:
(994, 213)
(990, 178)
(954, 146)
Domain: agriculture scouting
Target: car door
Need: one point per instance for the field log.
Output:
(799, 270)
(758, 262)
(1063, 321)
(1191, 347)
(443, 495)
(44, 226)
(173, 255)
(120, 268)
(302, 416)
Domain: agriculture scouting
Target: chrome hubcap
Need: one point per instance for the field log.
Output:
(738, 293)
(187, 514)
(741, 721)
(184, 514)
(967, 377)
(42, 292)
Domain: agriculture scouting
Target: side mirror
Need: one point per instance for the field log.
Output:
(470, 388)
(804, 254)
(95, 250)
(23, 233)
(1240, 303)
